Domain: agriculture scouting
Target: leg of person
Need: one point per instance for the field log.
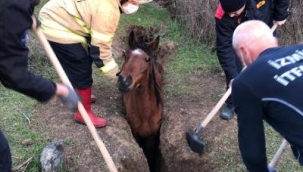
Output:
(78, 67)
(5, 155)
(228, 110)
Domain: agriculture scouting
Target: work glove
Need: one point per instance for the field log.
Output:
(111, 75)
(271, 169)
(71, 100)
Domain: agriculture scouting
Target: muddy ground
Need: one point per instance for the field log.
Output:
(182, 112)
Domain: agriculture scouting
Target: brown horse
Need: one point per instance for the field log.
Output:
(140, 82)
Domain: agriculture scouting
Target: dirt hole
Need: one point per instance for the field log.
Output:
(151, 144)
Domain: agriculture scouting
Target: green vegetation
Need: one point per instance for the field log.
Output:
(17, 123)
(191, 57)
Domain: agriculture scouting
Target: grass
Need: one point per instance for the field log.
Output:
(192, 56)
(16, 123)
(192, 59)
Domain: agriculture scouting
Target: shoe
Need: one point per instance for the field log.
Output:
(227, 112)
(86, 101)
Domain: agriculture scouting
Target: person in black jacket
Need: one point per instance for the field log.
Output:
(270, 89)
(15, 20)
(229, 15)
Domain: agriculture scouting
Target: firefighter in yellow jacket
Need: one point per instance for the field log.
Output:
(81, 32)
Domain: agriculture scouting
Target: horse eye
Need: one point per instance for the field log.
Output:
(147, 59)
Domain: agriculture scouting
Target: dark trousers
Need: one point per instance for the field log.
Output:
(234, 66)
(298, 155)
(5, 155)
(76, 63)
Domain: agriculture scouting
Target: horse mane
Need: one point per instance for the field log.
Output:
(153, 60)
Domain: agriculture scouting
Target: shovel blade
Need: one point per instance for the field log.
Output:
(195, 143)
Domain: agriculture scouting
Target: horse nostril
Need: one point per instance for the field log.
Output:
(124, 83)
(128, 80)
(120, 79)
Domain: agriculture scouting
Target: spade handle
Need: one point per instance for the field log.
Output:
(54, 60)
(214, 111)
(278, 154)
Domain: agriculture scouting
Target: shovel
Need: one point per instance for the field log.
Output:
(53, 58)
(278, 154)
(193, 140)
(197, 145)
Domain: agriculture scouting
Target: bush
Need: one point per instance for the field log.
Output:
(197, 16)
(292, 32)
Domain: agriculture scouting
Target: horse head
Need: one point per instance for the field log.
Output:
(139, 60)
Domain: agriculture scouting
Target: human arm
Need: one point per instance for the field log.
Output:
(250, 127)
(14, 73)
(104, 25)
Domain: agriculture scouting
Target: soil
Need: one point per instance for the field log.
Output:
(182, 112)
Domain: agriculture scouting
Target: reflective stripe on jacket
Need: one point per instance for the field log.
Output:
(85, 21)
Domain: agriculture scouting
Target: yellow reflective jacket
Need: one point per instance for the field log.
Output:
(76, 21)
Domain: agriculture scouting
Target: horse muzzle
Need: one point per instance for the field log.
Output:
(124, 83)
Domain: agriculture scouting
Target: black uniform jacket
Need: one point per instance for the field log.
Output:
(266, 11)
(269, 89)
(15, 21)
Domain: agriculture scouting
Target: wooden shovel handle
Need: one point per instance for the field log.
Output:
(214, 111)
(53, 58)
(278, 154)
(274, 27)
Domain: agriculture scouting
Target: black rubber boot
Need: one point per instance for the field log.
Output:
(227, 112)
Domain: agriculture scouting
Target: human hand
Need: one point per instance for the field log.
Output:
(271, 169)
(280, 23)
(68, 96)
(111, 75)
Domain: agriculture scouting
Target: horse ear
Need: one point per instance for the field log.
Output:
(154, 44)
(132, 39)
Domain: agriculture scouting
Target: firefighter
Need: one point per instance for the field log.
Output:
(15, 21)
(228, 16)
(81, 32)
(270, 89)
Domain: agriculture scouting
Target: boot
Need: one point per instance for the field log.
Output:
(86, 101)
(227, 112)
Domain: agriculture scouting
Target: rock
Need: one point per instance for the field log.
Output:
(51, 158)
(27, 142)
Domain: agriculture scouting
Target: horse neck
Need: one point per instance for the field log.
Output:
(149, 85)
